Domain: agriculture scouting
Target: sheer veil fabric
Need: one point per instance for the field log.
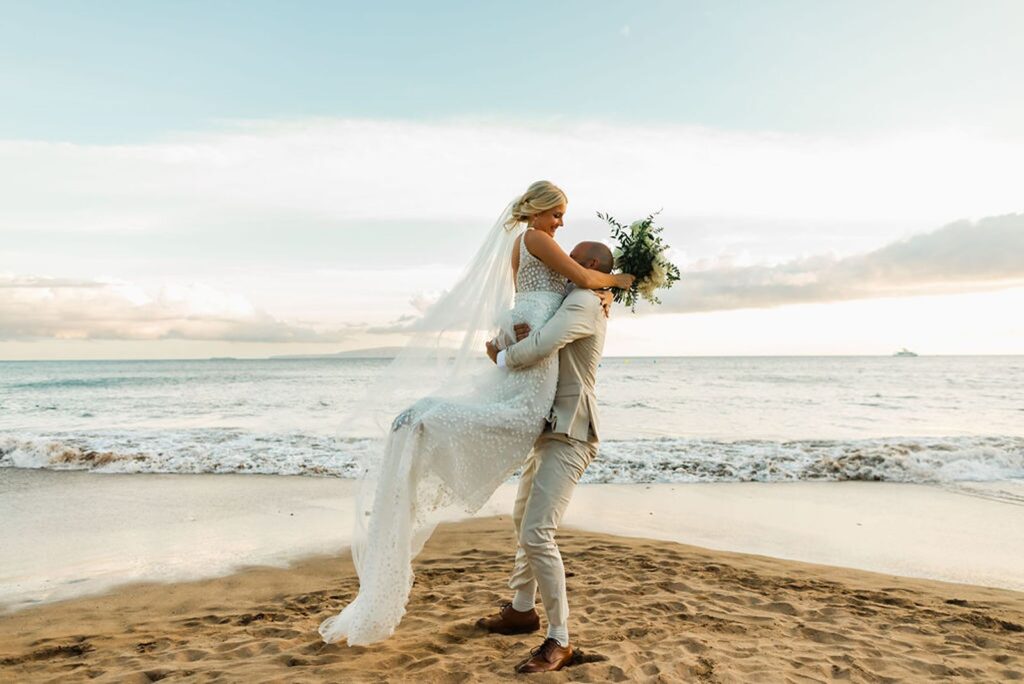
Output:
(451, 426)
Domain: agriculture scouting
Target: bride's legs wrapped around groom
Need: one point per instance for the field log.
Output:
(549, 477)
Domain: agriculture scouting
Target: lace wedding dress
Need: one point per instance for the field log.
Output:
(446, 450)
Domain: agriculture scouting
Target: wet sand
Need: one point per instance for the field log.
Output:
(68, 534)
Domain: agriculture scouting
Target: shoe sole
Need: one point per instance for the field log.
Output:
(567, 663)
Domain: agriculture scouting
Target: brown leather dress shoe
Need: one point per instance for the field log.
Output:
(511, 621)
(547, 657)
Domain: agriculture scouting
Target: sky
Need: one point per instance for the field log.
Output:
(249, 179)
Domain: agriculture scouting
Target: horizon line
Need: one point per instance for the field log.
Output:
(328, 357)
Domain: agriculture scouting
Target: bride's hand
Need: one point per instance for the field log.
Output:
(625, 280)
(607, 298)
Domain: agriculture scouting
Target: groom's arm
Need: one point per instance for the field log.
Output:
(502, 341)
(498, 343)
(576, 318)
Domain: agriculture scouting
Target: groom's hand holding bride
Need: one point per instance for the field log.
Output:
(607, 297)
(522, 330)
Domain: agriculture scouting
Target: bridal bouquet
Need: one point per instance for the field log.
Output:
(641, 251)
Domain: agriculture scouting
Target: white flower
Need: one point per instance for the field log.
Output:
(647, 287)
(655, 279)
(659, 273)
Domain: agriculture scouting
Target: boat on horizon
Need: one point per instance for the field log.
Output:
(904, 352)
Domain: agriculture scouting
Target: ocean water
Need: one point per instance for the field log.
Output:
(948, 420)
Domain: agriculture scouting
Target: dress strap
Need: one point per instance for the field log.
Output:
(522, 247)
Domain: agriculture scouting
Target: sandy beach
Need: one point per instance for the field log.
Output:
(643, 610)
(120, 578)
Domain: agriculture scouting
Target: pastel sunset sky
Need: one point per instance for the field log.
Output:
(196, 179)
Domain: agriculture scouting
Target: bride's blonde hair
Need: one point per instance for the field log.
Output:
(538, 198)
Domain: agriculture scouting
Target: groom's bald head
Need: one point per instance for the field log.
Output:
(595, 255)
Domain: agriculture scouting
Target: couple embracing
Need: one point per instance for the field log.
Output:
(533, 408)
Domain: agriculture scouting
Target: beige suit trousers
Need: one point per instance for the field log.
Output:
(549, 477)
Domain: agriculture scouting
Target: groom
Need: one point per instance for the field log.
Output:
(562, 452)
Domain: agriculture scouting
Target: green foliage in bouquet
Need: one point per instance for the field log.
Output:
(641, 251)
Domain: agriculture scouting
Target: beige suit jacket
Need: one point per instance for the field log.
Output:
(577, 332)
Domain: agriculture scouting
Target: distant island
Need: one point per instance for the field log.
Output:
(371, 353)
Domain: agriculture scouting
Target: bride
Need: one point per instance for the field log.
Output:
(450, 450)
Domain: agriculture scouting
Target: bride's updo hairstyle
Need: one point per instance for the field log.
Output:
(538, 198)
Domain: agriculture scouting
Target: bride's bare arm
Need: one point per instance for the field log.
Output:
(544, 247)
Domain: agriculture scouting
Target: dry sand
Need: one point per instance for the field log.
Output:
(642, 610)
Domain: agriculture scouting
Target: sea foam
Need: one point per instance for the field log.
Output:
(895, 459)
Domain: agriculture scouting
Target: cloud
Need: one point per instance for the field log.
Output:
(336, 170)
(327, 184)
(960, 257)
(33, 307)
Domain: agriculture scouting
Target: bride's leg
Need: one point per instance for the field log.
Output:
(522, 580)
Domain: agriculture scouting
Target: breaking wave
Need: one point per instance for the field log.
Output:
(216, 450)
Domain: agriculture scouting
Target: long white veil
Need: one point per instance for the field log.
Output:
(397, 506)
(451, 333)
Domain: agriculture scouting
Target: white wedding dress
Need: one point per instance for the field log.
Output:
(445, 452)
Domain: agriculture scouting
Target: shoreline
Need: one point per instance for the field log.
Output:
(79, 533)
